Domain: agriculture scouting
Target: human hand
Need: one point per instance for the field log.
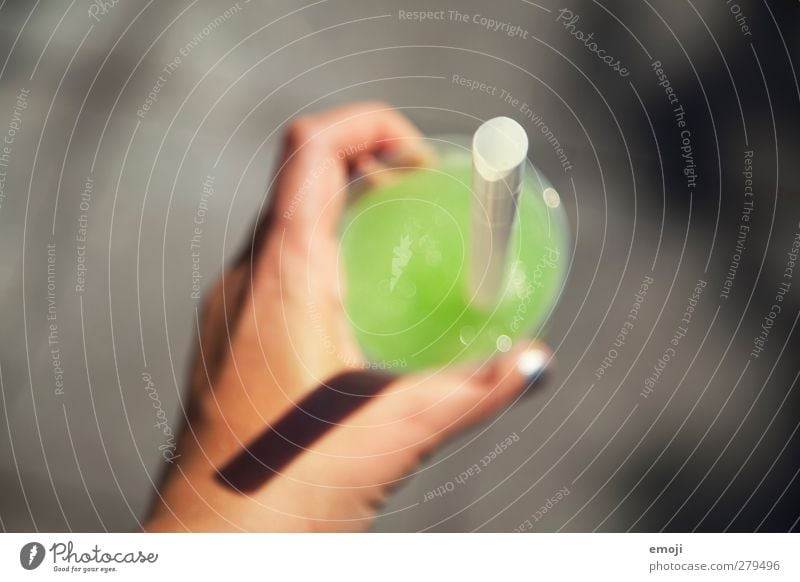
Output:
(275, 347)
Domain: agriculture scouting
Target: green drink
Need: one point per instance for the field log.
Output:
(406, 250)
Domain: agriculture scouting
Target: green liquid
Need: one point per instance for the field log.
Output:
(405, 247)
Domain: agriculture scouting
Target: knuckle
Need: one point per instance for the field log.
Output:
(378, 105)
(300, 131)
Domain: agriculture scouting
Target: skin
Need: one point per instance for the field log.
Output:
(273, 329)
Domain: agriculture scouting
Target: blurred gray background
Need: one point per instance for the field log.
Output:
(713, 447)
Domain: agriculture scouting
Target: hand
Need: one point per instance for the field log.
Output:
(273, 331)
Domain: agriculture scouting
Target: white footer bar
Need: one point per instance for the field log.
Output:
(401, 557)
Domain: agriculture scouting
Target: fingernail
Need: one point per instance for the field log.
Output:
(533, 365)
(411, 153)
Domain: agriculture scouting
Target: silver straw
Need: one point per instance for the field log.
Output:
(499, 151)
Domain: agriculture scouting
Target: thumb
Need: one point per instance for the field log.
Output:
(382, 425)
(446, 403)
(344, 476)
(380, 444)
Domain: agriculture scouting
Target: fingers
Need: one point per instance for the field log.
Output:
(296, 263)
(312, 182)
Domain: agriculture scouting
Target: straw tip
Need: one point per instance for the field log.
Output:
(499, 146)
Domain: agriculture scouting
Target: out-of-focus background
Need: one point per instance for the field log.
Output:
(115, 114)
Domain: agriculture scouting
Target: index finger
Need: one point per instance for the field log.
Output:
(312, 182)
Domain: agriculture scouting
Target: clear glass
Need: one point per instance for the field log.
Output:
(405, 250)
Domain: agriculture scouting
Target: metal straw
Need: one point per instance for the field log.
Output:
(499, 151)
